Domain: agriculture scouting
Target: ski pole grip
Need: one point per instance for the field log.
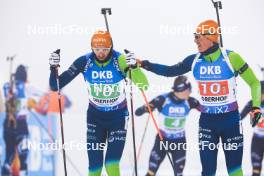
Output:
(105, 10)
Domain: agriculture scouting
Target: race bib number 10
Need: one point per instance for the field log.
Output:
(213, 88)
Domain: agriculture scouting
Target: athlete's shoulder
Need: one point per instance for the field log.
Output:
(87, 56)
(192, 98)
(82, 59)
(118, 55)
(236, 60)
(191, 57)
(226, 50)
(80, 62)
(193, 102)
(232, 54)
(188, 61)
(165, 95)
(159, 100)
(120, 58)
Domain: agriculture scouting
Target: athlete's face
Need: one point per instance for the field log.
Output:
(202, 42)
(184, 95)
(101, 53)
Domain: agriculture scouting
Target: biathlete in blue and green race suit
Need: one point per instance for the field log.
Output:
(104, 70)
(173, 108)
(215, 70)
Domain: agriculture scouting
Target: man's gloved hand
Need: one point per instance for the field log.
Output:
(54, 59)
(131, 60)
(141, 110)
(145, 64)
(255, 116)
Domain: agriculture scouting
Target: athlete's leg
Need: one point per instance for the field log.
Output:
(96, 136)
(115, 145)
(208, 141)
(22, 149)
(10, 143)
(179, 156)
(156, 157)
(22, 143)
(257, 149)
(232, 139)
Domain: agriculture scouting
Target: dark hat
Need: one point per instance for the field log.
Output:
(181, 83)
(21, 73)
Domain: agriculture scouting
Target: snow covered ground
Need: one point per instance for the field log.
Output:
(161, 31)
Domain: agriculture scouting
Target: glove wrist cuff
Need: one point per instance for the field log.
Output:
(53, 67)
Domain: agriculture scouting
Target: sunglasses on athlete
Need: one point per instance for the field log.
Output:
(198, 36)
(101, 49)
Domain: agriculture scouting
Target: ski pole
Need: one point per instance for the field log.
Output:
(61, 120)
(133, 119)
(53, 139)
(217, 6)
(142, 140)
(104, 11)
(10, 59)
(156, 126)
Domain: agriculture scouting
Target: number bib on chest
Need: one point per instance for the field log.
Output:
(217, 85)
(106, 86)
(172, 118)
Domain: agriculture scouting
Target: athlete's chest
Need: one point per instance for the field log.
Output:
(217, 70)
(172, 109)
(102, 74)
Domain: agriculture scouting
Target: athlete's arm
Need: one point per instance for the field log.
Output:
(246, 110)
(170, 71)
(68, 75)
(194, 103)
(155, 103)
(248, 76)
(138, 77)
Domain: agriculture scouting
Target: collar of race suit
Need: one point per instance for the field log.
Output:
(211, 50)
(212, 54)
(106, 61)
(174, 98)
